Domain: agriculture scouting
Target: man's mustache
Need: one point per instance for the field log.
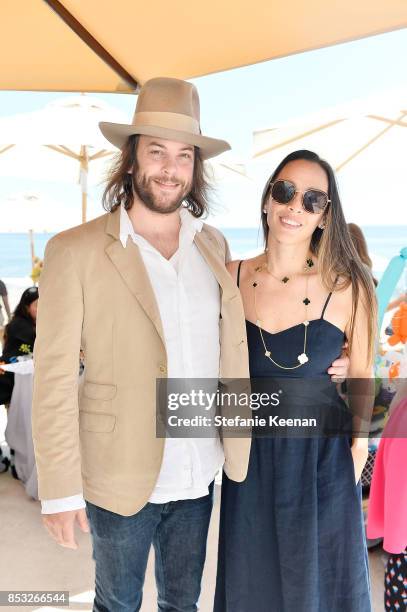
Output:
(167, 180)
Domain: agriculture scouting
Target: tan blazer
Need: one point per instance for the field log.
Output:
(96, 296)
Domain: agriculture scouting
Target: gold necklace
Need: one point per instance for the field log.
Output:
(303, 357)
(308, 265)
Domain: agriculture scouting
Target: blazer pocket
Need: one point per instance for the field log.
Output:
(99, 422)
(99, 391)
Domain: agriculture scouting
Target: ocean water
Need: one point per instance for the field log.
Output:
(383, 242)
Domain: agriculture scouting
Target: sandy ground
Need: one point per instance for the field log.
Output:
(30, 560)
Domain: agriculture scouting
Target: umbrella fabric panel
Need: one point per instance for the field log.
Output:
(180, 39)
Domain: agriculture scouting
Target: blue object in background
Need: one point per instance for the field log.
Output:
(388, 282)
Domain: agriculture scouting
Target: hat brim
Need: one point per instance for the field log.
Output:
(118, 133)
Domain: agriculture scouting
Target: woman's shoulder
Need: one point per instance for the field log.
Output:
(246, 266)
(19, 324)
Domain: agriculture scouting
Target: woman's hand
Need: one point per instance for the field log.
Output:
(360, 454)
(340, 367)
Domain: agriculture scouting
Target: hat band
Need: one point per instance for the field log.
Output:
(172, 121)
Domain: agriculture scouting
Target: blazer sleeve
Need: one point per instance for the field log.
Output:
(55, 410)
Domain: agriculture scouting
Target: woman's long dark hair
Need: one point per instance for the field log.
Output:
(360, 244)
(119, 189)
(337, 256)
(28, 297)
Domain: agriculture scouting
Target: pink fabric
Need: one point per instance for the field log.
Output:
(387, 513)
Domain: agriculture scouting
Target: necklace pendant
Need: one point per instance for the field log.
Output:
(302, 358)
(285, 279)
(267, 353)
(306, 301)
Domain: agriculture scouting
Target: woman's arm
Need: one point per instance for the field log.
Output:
(360, 385)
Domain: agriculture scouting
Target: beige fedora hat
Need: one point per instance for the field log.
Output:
(166, 108)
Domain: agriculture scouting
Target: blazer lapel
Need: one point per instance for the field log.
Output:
(130, 266)
(210, 251)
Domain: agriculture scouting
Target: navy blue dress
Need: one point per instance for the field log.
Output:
(292, 535)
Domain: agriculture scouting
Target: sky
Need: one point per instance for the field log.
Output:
(233, 104)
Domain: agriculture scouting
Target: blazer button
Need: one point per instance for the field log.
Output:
(163, 369)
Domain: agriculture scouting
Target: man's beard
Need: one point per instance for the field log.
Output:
(167, 203)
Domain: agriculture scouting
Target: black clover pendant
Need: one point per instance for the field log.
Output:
(306, 301)
(254, 284)
(285, 279)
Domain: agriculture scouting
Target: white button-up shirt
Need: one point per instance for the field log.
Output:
(188, 299)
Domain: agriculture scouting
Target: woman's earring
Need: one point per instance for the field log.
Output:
(321, 226)
(265, 211)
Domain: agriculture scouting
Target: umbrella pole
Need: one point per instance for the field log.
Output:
(32, 247)
(84, 205)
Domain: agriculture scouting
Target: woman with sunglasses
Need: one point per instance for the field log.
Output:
(292, 534)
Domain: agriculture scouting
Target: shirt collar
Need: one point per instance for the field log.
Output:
(189, 225)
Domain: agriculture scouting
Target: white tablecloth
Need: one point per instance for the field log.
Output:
(18, 431)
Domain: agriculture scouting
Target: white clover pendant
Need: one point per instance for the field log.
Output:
(302, 358)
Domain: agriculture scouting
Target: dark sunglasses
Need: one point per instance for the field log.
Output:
(313, 200)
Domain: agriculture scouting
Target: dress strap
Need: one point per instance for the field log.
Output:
(328, 298)
(326, 304)
(238, 271)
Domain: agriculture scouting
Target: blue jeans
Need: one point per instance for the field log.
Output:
(178, 531)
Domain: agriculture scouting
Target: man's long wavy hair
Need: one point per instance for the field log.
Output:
(119, 189)
(337, 256)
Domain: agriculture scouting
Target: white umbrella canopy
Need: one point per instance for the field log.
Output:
(22, 211)
(365, 142)
(61, 142)
(72, 120)
(232, 200)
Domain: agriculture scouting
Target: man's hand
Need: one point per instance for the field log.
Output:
(61, 526)
(340, 367)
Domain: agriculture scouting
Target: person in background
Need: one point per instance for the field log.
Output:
(387, 516)
(4, 298)
(19, 338)
(360, 244)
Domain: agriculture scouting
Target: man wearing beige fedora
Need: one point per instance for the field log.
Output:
(143, 291)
